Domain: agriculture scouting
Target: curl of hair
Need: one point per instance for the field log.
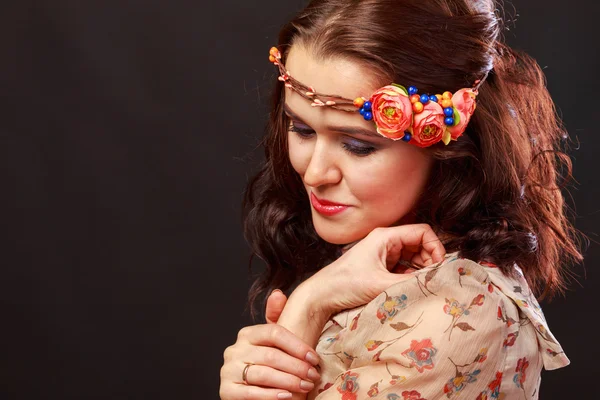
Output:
(496, 191)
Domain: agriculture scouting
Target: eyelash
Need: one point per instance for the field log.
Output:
(354, 150)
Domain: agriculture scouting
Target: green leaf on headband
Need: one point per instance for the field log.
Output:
(401, 87)
(456, 117)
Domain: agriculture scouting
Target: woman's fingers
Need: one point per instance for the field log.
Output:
(265, 376)
(397, 238)
(281, 361)
(426, 257)
(273, 335)
(275, 304)
(234, 391)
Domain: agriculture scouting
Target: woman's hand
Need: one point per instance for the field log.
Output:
(275, 304)
(280, 360)
(363, 272)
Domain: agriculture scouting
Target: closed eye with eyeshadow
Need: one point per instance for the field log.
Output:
(353, 146)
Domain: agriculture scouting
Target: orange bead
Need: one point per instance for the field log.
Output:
(439, 97)
(414, 98)
(446, 103)
(447, 95)
(273, 51)
(272, 59)
(359, 101)
(418, 107)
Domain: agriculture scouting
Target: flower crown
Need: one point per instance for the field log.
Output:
(399, 113)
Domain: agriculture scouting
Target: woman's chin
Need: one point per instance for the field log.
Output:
(338, 234)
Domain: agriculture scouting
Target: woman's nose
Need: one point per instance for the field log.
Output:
(322, 168)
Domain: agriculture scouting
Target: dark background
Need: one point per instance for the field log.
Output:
(127, 134)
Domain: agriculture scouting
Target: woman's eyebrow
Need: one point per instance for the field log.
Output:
(350, 130)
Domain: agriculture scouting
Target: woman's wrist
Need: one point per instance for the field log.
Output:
(304, 314)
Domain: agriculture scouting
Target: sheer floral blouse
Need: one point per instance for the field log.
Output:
(457, 329)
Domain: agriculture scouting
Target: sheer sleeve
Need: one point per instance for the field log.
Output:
(436, 335)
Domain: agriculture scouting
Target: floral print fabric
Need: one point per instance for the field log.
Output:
(457, 329)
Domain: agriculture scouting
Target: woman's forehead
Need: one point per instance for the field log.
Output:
(334, 76)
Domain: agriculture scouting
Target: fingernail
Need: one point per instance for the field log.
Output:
(275, 290)
(284, 396)
(313, 375)
(312, 358)
(306, 385)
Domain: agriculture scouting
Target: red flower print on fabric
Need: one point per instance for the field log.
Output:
(420, 353)
(349, 386)
(412, 395)
(406, 395)
(373, 390)
(520, 376)
(493, 390)
(510, 339)
(503, 317)
(327, 386)
(458, 383)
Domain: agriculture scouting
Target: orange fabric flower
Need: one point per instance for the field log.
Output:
(464, 103)
(428, 125)
(392, 111)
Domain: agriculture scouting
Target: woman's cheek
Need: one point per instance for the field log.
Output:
(299, 154)
(395, 187)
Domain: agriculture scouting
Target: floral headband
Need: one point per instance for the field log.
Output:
(399, 113)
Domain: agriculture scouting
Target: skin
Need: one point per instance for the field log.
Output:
(381, 189)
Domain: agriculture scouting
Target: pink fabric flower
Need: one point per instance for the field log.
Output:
(392, 111)
(464, 103)
(428, 125)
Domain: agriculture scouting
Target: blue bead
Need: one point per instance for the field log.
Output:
(412, 90)
(407, 136)
(448, 111)
(362, 111)
(368, 116)
(433, 98)
(449, 121)
(424, 98)
(367, 106)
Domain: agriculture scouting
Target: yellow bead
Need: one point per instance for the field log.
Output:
(273, 51)
(272, 59)
(447, 95)
(446, 103)
(439, 97)
(418, 107)
(359, 101)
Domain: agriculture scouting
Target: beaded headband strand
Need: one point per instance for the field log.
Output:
(398, 113)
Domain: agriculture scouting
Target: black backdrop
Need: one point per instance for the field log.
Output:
(127, 131)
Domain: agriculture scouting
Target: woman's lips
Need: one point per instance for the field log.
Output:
(326, 207)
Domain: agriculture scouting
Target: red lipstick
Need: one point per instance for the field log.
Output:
(326, 207)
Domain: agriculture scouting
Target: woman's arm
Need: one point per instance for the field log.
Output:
(364, 268)
(304, 316)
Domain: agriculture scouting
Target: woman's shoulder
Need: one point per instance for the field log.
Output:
(455, 275)
(455, 287)
(455, 326)
(475, 296)
(450, 276)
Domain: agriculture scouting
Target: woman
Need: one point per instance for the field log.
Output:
(410, 187)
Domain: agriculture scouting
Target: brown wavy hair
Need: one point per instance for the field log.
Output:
(496, 192)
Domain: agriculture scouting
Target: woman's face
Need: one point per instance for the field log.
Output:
(378, 179)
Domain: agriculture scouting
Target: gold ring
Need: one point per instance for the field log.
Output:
(245, 373)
